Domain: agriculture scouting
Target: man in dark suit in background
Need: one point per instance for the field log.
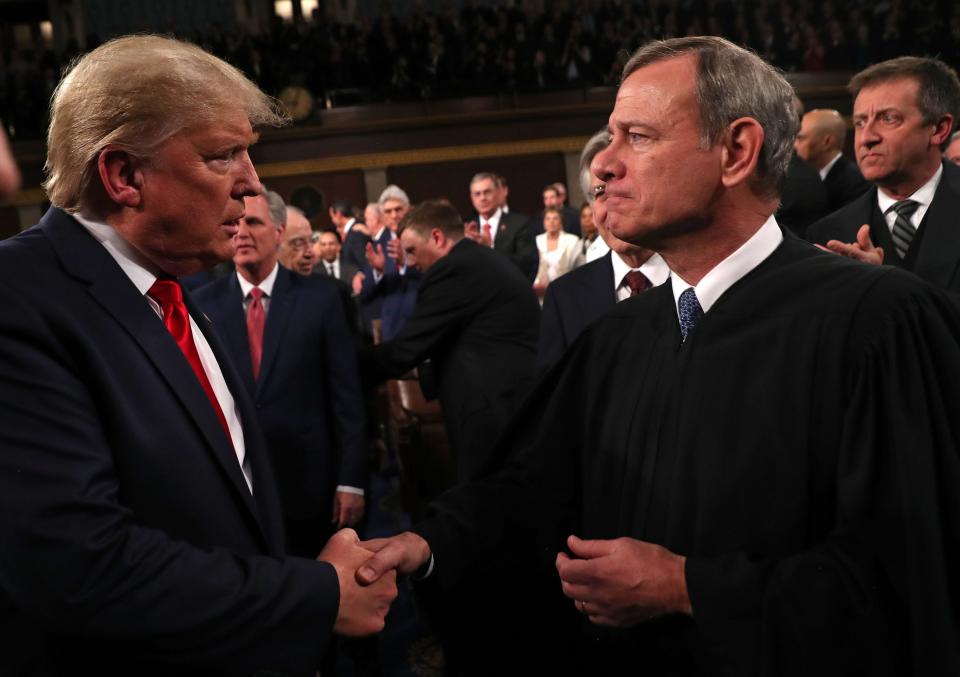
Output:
(575, 300)
(389, 286)
(289, 338)
(903, 114)
(820, 144)
(476, 319)
(507, 233)
(354, 239)
(141, 526)
(329, 261)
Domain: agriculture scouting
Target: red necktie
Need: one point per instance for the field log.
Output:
(256, 319)
(169, 295)
(488, 231)
(637, 282)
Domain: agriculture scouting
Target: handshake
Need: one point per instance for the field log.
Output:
(367, 573)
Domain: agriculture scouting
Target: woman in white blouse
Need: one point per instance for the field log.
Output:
(560, 252)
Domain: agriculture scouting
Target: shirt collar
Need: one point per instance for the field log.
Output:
(136, 266)
(922, 195)
(827, 167)
(723, 276)
(266, 286)
(654, 269)
(494, 219)
(348, 226)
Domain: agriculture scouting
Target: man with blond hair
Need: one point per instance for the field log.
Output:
(141, 527)
(751, 469)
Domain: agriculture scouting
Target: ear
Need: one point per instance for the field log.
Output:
(121, 175)
(741, 151)
(438, 236)
(941, 131)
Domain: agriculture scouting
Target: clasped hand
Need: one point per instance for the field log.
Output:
(622, 582)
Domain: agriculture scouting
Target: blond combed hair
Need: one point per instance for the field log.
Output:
(134, 93)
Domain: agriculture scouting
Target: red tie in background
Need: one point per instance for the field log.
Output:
(488, 232)
(637, 282)
(169, 295)
(256, 319)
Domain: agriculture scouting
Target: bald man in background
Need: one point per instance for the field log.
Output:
(820, 143)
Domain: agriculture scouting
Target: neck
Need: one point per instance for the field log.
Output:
(255, 273)
(693, 254)
(635, 257)
(902, 187)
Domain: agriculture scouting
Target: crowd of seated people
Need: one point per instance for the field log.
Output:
(484, 48)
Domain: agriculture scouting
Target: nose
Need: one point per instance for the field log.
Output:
(247, 183)
(605, 165)
(866, 134)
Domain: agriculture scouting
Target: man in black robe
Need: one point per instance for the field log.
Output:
(759, 458)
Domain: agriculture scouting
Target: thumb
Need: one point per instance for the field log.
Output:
(348, 536)
(588, 549)
(376, 566)
(863, 237)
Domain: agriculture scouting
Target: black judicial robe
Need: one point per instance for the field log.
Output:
(801, 449)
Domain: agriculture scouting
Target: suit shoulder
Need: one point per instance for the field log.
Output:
(843, 223)
(212, 289)
(598, 268)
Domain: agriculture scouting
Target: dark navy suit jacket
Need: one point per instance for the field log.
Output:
(308, 396)
(131, 543)
(572, 303)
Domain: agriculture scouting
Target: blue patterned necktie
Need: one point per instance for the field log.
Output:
(689, 310)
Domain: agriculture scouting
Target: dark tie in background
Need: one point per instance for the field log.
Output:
(256, 319)
(903, 230)
(637, 282)
(330, 270)
(689, 310)
(167, 292)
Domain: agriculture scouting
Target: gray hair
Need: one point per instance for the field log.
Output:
(276, 206)
(732, 83)
(393, 192)
(594, 145)
(483, 176)
(135, 93)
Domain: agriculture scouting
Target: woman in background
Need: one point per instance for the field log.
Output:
(560, 252)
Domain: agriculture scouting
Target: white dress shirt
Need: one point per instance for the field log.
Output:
(596, 250)
(143, 274)
(923, 196)
(723, 276)
(827, 167)
(347, 227)
(494, 222)
(654, 269)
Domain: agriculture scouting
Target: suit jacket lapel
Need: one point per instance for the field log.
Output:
(281, 302)
(601, 284)
(86, 259)
(234, 331)
(939, 252)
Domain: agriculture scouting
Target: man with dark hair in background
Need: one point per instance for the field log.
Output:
(903, 113)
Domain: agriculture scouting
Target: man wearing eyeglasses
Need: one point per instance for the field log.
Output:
(286, 333)
(296, 253)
